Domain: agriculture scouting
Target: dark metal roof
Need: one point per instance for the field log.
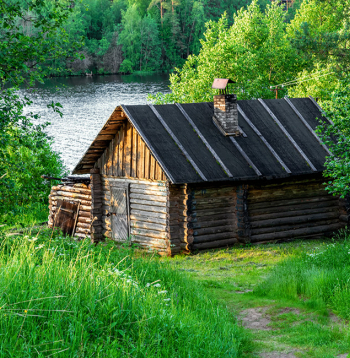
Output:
(278, 141)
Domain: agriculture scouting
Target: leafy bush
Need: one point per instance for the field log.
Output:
(25, 155)
(321, 278)
(80, 300)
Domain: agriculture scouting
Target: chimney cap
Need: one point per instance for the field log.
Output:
(221, 83)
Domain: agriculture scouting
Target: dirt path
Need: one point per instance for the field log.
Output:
(277, 328)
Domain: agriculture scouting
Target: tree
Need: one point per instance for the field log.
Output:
(130, 36)
(337, 138)
(150, 56)
(254, 52)
(320, 33)
(32, 38)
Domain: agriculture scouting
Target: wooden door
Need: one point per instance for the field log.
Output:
(119, 213)
(66, 216)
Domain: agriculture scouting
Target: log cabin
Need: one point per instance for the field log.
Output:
(185, 177)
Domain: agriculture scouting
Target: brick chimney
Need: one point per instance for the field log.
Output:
(225, 109)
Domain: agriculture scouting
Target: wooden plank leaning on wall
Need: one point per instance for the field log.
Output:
(77, 193)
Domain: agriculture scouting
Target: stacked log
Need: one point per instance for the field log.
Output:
(178, 237)
(212, 217)
(300, 210)
(73, 193)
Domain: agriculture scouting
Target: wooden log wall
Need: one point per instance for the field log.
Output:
(178, 222)
(294, 210)
(96, 205)
(77, 193)
(212, 216)
(128, 156)
(148, 212)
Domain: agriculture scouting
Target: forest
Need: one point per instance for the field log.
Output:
(123, 36)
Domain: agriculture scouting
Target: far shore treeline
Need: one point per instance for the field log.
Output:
(123, 36)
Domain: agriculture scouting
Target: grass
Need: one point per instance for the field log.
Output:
(23, 216)
(61, 298)
(320, 277)
(64, 298)
(292, 295)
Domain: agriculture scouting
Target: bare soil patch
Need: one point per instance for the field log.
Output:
(255, 318)
(278, 355)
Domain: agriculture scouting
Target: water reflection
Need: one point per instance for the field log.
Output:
(87, 103)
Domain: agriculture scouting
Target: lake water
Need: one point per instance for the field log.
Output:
(87, 104)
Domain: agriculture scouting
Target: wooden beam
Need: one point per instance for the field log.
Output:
(128, 149)
(140, 157)
(284, 130)
(212, 151)
(115, 155)
(176, 140)
(147, 162)
(152, 167)
(134, 153)
(121, 151)
(284, 166)
(307, 125)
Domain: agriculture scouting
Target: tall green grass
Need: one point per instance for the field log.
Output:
(61, 298)
(320, 278)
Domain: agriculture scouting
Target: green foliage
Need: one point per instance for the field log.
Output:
(267, 46)
(79, 299)
(164, 33)
(337, 138)
(26, 56)
(320, 278)
(320, 33)
(254, 52)
(25, 53)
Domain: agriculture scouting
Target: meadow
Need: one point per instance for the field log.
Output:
(62, 298)
(292, 298)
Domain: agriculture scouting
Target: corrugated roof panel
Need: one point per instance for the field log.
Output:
(297, 129)
(191, 142)
(202, 114)
(163, 145)
(258, 152)
(274, 135)
(308, 110)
